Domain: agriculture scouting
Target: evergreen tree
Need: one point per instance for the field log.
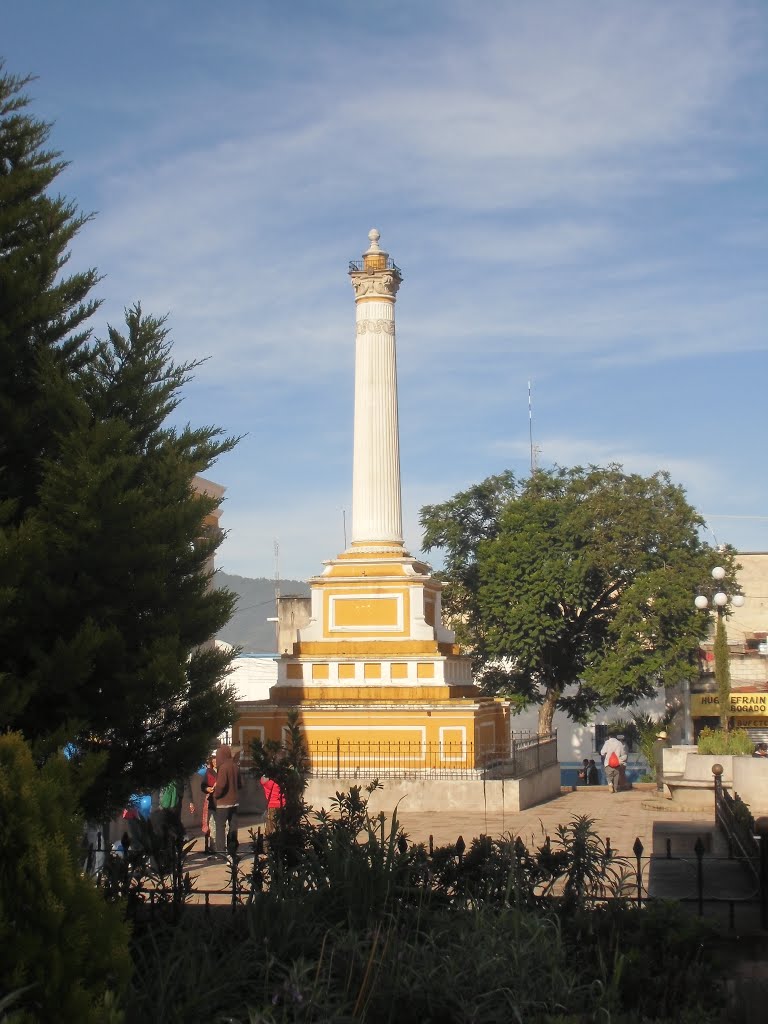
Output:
(119, 612)
(43, 342)
(722, 670)
(42, 313)
(106, 613)
(574, 589)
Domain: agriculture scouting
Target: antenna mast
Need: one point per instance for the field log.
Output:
(276, 549)
(530, 431)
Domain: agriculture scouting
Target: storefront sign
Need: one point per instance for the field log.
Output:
(751, 705)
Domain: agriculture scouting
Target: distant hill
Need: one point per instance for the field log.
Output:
(248, 627)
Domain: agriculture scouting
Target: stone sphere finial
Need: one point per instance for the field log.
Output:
(374, 257)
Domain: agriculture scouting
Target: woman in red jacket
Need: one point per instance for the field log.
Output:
(275, 800)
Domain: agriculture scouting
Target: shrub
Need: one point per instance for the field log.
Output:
(62, 944)
(358, 925)
(718, 741)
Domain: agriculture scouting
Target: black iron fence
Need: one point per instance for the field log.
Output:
(525, 754)
(696, 875)
(155, 878)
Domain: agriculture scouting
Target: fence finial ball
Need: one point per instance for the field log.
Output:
(761, 826)
(717, 769)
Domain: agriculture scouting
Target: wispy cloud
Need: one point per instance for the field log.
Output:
(575, 193)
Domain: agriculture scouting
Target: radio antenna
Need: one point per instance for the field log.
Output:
(530, 430)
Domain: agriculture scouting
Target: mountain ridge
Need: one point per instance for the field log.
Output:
(248, 628)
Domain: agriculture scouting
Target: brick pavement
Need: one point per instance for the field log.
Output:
(621, 817)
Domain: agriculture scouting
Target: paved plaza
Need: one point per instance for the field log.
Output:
(668, 834)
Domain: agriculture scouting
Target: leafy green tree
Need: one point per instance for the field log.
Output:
(574, 588)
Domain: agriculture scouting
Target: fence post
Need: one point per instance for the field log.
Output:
(761, 827)
(338, 757)
(233, 873)
(637, 849)
(717, 771)
(698, 849)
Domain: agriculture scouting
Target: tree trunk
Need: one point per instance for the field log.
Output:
(547, 710)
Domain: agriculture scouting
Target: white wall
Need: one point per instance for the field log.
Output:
(252, 675)
(574, 741)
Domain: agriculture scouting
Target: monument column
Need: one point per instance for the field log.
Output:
(376, 502)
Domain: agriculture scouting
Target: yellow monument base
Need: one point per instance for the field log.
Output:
(379, 736)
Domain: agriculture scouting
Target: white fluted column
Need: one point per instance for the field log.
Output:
(376, 499)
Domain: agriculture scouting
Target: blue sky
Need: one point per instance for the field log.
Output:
(576, 193)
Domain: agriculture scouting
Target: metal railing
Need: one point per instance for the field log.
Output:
(525, 754)
(734, 820)
(388, 264)
(696, 874)
(737, 825)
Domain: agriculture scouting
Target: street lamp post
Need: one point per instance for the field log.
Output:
(720, 600)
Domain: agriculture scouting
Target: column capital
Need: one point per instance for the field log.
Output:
(375, 275)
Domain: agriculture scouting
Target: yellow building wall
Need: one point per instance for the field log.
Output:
(453, 735)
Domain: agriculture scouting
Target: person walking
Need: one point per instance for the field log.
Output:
(614, 755)
(592, 777)
(226, 796)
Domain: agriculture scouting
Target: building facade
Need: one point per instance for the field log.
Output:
(747, 631)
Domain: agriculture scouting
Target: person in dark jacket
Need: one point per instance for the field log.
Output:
(226, 795)
(659, 746)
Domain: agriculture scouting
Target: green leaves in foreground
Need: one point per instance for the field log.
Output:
(360, 926)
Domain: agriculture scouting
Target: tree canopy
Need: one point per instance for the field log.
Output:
(574, 588)
(106, 608)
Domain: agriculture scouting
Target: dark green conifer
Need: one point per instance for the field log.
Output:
(106, 612)
(43, 313)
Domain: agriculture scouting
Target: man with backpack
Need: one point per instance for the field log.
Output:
(614, 755)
